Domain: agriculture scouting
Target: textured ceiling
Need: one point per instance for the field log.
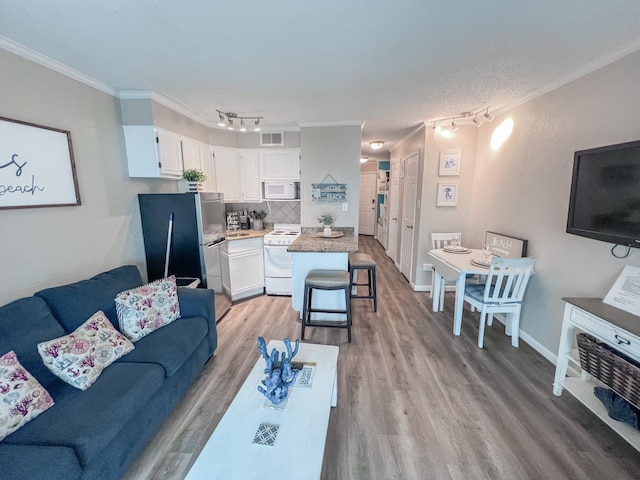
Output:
(389, 64)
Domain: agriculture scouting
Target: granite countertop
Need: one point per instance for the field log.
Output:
(310, 241)
(245, 234)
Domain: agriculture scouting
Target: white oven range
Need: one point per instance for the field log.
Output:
(277, 261)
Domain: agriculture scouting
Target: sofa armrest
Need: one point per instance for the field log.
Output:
(37, 462)
(200, 302)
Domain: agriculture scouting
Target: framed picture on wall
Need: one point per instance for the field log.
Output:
(449, 163)
(447, 194)
(36, 166)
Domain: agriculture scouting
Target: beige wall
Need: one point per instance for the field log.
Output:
(334, 151)
(43, 247)
(523, 189)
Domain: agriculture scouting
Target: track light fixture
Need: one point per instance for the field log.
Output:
(480, 116)
(227, 118)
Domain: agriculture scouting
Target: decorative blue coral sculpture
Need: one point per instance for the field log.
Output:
(279, 374)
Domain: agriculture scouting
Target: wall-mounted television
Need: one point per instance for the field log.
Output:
(605, 194)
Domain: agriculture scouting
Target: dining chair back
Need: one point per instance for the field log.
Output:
(440, 240)
(502, 292)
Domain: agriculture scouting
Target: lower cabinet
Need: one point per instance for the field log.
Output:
(242, 263)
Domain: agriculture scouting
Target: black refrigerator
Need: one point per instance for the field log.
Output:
(190, 226)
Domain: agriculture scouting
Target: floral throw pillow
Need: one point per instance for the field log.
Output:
(22, 398)
(80, 357)
(147, 308)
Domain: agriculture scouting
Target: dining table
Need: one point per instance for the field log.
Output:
(455, 266)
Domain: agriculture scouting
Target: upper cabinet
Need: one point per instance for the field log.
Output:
(249, 172)
(280, 164)
(226, 160)
(153, 152)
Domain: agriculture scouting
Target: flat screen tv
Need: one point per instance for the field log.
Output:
(605, 194)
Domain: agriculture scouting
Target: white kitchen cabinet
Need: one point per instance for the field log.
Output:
(242, 265)
(281, 164)
(191, 158)
(153, 152)
(249, 172)
(226, 160)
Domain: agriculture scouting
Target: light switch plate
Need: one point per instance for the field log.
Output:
(345, 206)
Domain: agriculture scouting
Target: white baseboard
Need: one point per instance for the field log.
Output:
(537, 346)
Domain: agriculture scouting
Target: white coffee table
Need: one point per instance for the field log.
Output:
(299, 445)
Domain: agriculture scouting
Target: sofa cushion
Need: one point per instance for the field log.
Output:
(80, 357)
(147, 308)
(22, 398)
(23, 324)
(89, 420)
(170, 346)
(72, 304)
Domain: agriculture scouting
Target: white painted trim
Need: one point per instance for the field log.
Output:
(50, 63)
(420, 288)
(582, 71)
(342, 123)
(420, 126)
(533, 343)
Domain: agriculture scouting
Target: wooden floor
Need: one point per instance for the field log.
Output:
(414, 401)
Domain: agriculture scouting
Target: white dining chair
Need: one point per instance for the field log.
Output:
(502, 292)
(439, 240)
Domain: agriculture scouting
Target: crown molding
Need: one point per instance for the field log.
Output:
(165, 101)
(51, 64)
(420, 126)
(584, 70)
(344, 123)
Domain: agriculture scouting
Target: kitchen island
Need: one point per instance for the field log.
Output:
(313, 251)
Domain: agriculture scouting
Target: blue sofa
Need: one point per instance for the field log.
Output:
(96, 433)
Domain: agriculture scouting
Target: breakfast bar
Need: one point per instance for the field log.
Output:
(312, 250)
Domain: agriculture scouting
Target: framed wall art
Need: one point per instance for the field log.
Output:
(447, 194)
(36, 166)
(449, 163)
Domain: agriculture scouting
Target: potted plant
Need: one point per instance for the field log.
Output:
(327, 220)
(192, 179)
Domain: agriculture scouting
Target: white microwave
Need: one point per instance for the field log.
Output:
(281, 190)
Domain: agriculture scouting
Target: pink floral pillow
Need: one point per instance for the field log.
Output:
(22, 398)
(80, 357)
(147, 308)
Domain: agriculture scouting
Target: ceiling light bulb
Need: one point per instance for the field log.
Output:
(242, 127)
(436, 128)
(477, 121)
(221, 121)
(376, 144)
(454, 127)
(488, 116)
(364, 159)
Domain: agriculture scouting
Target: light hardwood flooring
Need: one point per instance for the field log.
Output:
(414, 401)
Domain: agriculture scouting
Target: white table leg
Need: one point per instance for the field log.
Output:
(334, 394)
(564, 350)
(436, 290)
(457, 316)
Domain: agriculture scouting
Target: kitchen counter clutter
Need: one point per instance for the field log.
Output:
(310, 242)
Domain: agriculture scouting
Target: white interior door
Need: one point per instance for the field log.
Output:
(394, 209)
(367, 213)
(408, 216)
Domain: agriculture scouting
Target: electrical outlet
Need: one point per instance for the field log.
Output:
(345, 206)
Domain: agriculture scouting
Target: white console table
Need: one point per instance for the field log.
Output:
(610, 325)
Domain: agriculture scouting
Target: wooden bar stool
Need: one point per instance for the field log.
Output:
(326, 280)
(362, 261)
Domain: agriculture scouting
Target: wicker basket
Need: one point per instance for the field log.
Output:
(614, 369)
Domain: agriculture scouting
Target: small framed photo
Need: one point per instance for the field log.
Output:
(449, 163)
(447, 194)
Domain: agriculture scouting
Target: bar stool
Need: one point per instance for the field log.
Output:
(362, 261)
(326, 280)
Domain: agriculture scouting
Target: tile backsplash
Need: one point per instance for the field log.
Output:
(277, 212)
